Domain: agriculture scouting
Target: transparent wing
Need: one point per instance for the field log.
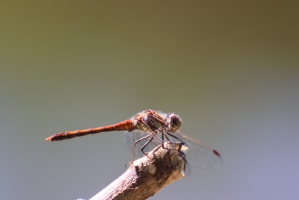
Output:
(197, 153)
(131, 137)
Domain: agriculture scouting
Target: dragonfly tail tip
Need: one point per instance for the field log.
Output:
(49, 139)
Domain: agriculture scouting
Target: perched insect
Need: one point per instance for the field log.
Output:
(150, 128)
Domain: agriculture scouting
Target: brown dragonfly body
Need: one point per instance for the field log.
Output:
(121, 126)
(150, 128)
(140, 121)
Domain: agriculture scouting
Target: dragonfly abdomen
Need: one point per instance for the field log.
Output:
(121, 126)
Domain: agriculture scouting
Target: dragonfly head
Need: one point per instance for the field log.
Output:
(173, 122)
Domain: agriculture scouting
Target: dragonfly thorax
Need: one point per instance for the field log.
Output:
(153, 122)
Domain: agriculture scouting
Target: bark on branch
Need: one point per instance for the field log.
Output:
(146, 176)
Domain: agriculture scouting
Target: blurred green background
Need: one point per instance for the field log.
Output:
(228, 68)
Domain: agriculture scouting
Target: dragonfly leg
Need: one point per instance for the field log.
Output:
(139, 140)
(180, 144)
(168, 140)
(162, 137)
(142, 148)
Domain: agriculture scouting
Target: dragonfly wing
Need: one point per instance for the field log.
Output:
(133, 136)
(197, 153)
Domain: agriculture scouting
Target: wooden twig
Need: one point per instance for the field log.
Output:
(146, 176)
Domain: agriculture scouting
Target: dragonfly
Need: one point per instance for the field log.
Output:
(149, 129)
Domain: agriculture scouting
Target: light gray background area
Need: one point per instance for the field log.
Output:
(228, 68)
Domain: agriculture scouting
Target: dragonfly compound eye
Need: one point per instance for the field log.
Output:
(174, 122)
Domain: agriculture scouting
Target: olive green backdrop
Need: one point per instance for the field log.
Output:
(228, 68)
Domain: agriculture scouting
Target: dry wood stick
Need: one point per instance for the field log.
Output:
(146, 176)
